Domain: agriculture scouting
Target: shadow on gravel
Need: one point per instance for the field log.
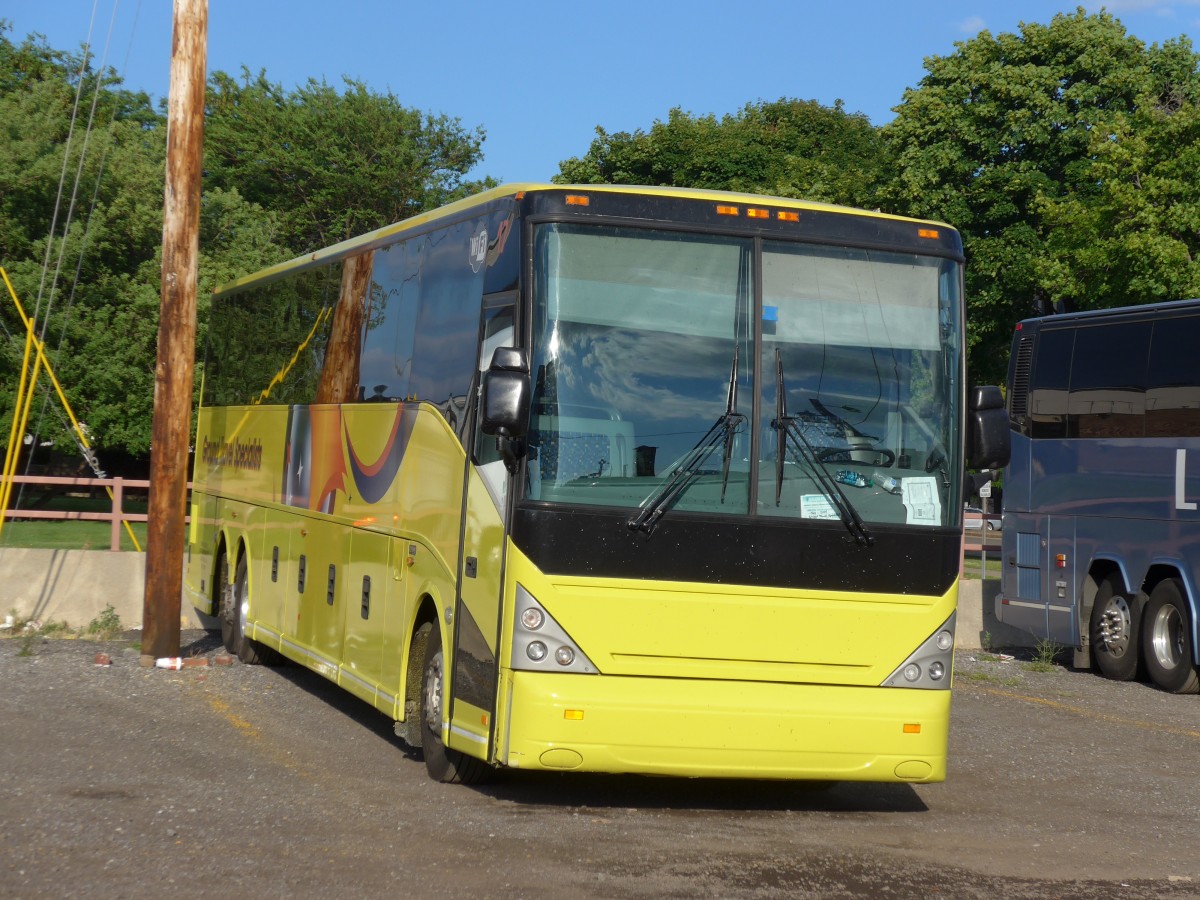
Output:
(554, 789)
(683, 795)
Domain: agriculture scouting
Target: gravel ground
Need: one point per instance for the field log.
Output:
(120, 781)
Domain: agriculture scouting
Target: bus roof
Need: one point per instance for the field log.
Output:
(1092, 316)
(381, 236)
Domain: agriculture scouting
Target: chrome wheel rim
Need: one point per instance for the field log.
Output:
(433, 695)
(1115, 626)
(1166, 637)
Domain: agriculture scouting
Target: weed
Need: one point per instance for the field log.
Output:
(106, 625)
(1044, 655)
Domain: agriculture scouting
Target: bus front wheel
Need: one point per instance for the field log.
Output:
(1167, 640)
(1113, 632)
(441, 762)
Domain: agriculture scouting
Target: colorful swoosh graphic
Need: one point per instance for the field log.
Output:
(374, 478)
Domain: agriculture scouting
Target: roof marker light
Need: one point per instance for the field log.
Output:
(578, 200)
(931, 233)
(788, 216)
(723, 210)
(758, 213)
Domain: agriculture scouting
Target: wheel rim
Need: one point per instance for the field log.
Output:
(228, 599)
(1166, 637)
(1115, 626)
(433, 695)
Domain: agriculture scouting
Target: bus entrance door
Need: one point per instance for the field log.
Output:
(473, 683)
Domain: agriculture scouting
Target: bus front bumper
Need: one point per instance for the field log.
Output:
(697, 728)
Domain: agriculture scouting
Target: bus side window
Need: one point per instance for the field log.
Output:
(1049, 384)
(1172, 389)
(1108, 381)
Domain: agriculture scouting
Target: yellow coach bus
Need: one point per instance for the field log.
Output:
(605, 479)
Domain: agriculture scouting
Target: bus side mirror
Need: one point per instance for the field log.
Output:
(989, 442)
(505, 404)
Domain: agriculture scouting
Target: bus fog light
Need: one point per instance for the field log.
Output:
(912, 671)
(564, 656)
(532, 618)
(536, 651)
(937, 671)
(945, 640)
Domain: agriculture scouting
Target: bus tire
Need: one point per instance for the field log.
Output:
(442, 763)
(251, 652)
(227, 606)
(1113, 631)
(1167, 639)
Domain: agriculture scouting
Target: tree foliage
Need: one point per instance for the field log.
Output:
(788, 148)
(286, 172)
(1049, 150)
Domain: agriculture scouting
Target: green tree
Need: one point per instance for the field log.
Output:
(333, 164)
(787, 148)
(1005, 139)
(286, 172)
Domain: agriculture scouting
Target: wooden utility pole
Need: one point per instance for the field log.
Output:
(176, 364)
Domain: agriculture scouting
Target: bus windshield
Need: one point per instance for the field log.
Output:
(645, 341)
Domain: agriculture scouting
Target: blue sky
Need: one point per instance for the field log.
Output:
(539, 76)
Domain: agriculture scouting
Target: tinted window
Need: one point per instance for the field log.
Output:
(1108, 381)
(267, 345)
(1049, 384)
(1173, 384)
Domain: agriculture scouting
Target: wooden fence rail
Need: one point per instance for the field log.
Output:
(116, 515)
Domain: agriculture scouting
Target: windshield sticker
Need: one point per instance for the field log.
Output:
(817, 506)
(921, 500)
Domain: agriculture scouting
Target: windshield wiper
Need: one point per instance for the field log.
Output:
(785, 427)
(724, 429)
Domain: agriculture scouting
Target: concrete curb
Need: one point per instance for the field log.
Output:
(978, 628)
(75, 586)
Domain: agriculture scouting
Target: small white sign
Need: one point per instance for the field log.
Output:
(816, 506)
(986, 491)
(921, 501)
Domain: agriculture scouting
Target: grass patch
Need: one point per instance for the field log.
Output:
(989, 678)
(64, 535)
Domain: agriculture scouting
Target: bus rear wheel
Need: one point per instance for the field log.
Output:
(234, 611)
(1167, 640)
(441, 762)
(1113, 631)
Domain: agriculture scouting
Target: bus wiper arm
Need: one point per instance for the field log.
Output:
(786, 428)
(724, 429)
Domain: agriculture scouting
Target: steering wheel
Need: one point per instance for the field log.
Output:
(842, 454)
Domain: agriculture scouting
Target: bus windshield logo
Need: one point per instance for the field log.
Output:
(479, 248)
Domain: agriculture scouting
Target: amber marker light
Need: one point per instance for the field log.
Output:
(788, 216)
(930, 233)
(578, 200)
(575, 715)
(912, 727)
(723, 210)
(758, 214)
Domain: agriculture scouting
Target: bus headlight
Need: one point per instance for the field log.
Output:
(540, 644)
(928, 666)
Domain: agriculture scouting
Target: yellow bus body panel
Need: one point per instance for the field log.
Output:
(728, 681)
